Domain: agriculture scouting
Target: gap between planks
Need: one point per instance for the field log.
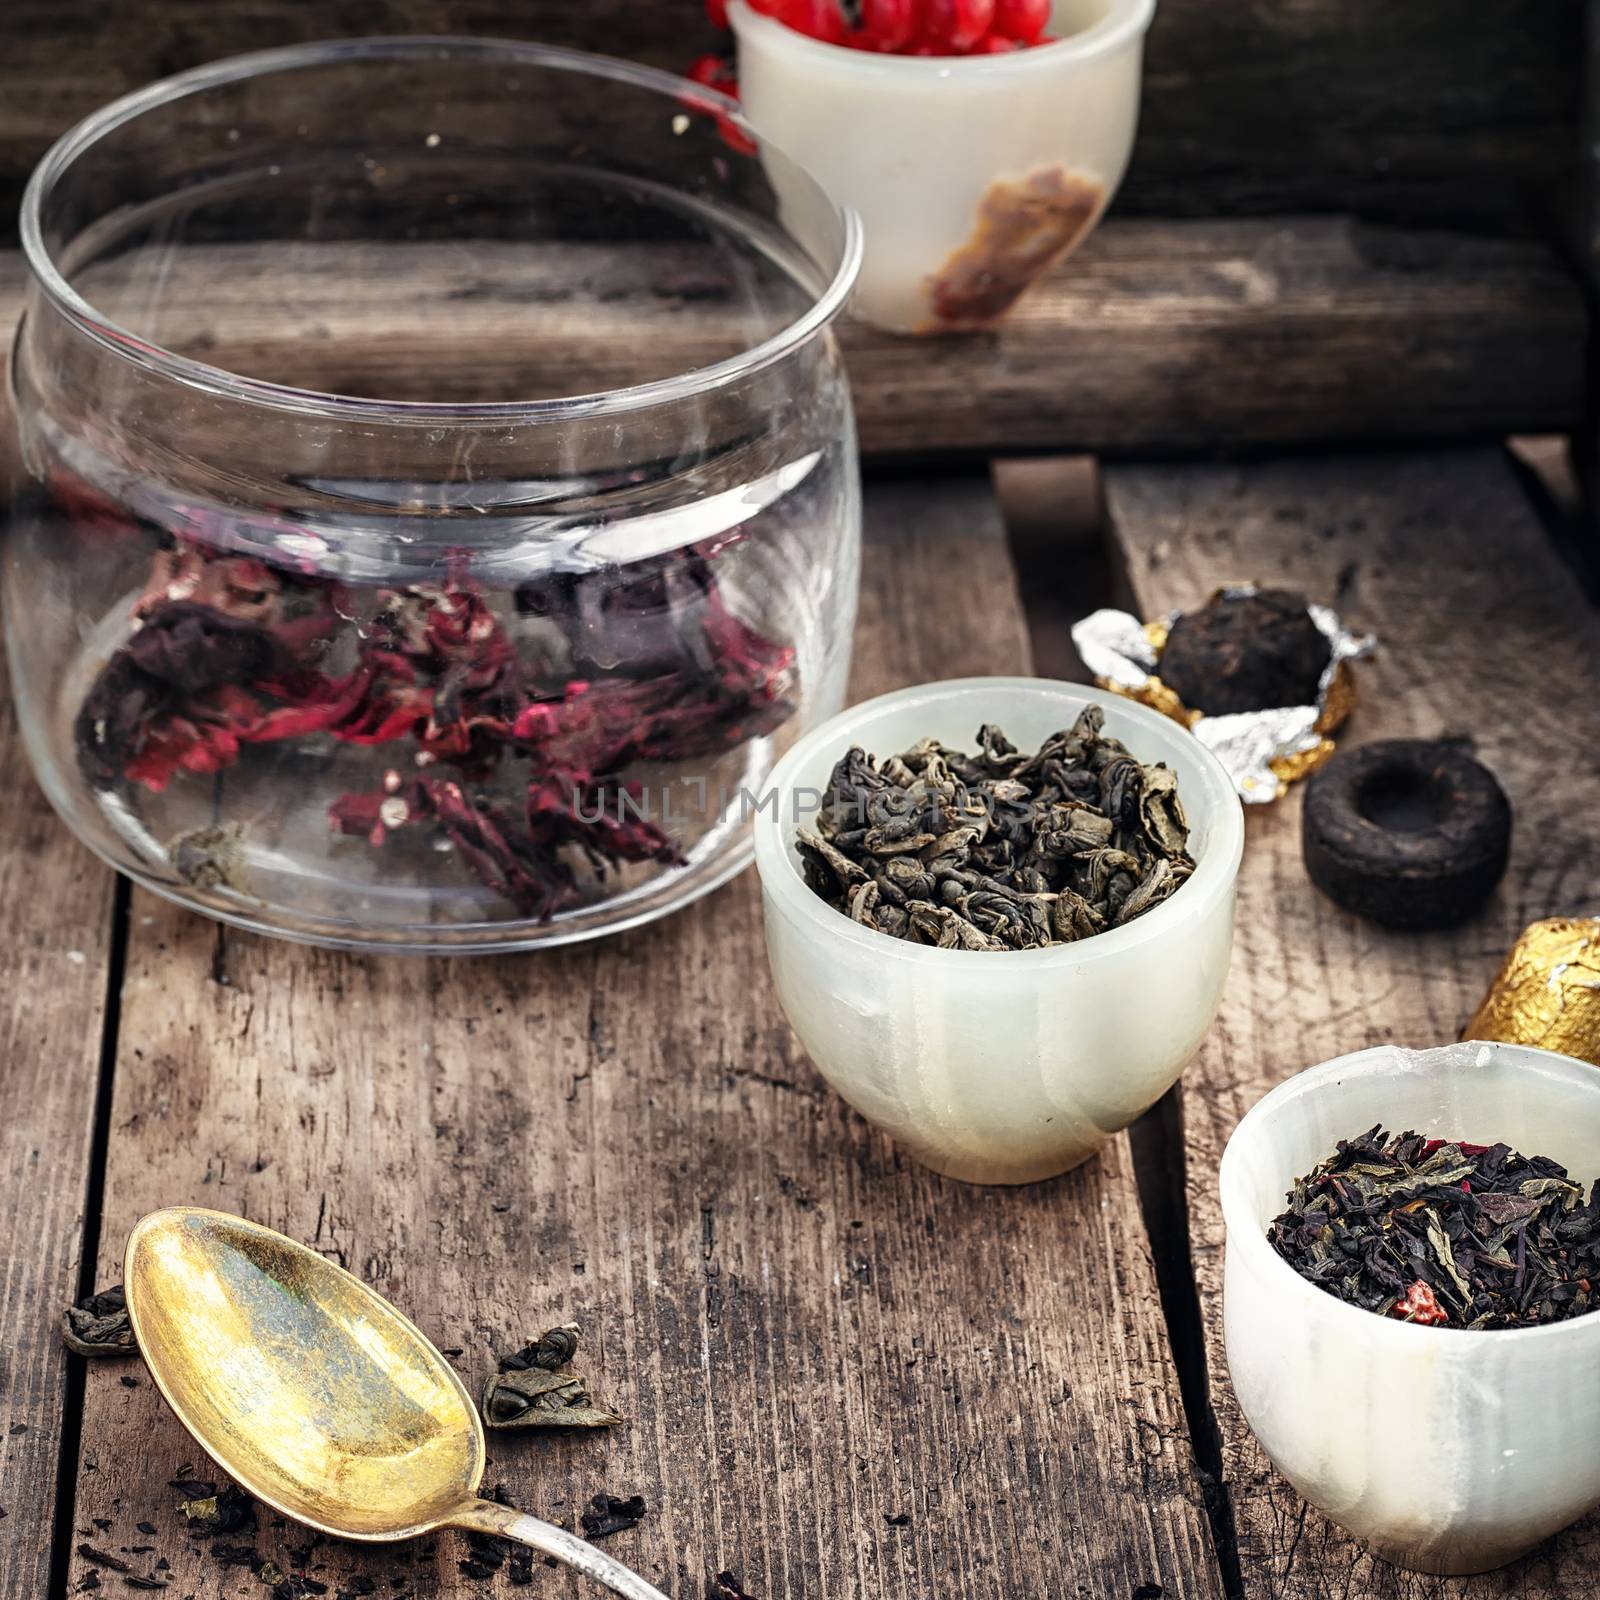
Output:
(1055, 516)
(54, 966)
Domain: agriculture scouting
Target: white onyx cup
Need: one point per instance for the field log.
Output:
(990, 168)
(1445, 1449)
(1000, 1066)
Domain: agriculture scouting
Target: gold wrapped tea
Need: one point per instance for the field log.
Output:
(1548, 992)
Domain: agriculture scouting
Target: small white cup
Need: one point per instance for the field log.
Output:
(973, 175)
(990, 1066)
(1448, 1450)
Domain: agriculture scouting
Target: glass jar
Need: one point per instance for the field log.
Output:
(440, 502)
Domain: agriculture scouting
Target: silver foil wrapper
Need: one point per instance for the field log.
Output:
(1263, 751)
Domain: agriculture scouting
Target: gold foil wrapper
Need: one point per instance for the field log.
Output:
(1153, 692)
(1548, 991)
(1262, 751)
(1338, 703)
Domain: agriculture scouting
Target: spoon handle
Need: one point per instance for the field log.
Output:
(484, 1516)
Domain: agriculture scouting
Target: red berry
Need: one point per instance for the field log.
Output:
(715, 72)
(1023, 20)
(735, 137)
(717, 10)
(957, 25)
(765, 8)
(819, 19)
(996, 44)
(887, 24)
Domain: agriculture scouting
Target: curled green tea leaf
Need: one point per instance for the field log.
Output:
(539, 1399)
(531, 1391)
(1000, 850)
(552, 1350)
(98, 1325)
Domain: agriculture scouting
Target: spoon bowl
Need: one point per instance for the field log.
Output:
(318, 1396)
(314, 1393)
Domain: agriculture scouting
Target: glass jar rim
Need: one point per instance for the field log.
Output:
(201, 375)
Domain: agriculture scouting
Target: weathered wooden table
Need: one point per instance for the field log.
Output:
(844, 1376)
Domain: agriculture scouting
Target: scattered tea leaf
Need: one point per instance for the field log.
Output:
(230, 1511)
(101, 1559)
(552, 1350)
(530, 1390)
(487, 1553)
(538, 1399)
(98, 1325)
(612, 1515)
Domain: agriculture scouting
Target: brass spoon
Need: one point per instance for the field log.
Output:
(315, 1394)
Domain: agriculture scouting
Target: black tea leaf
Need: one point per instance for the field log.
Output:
(1445, 1233)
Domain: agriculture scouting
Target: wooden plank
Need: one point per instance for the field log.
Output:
(1434, 111)
(53, 983)
(1482, 630)
(1583, 519)
(1157, 336)
(814, 1340)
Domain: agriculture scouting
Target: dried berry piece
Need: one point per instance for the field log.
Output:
(817, 19)
(1023, 21)
(955, 26)
(886, 25)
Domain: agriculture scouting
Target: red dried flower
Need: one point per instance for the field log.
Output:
(226, 654)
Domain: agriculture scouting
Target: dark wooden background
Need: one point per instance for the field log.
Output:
(1438, 113)
(1346, 220)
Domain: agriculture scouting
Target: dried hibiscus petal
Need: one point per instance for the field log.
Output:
(181, 653)
(519, 857)
(650, 665)
(537, 881)
(605, 820)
